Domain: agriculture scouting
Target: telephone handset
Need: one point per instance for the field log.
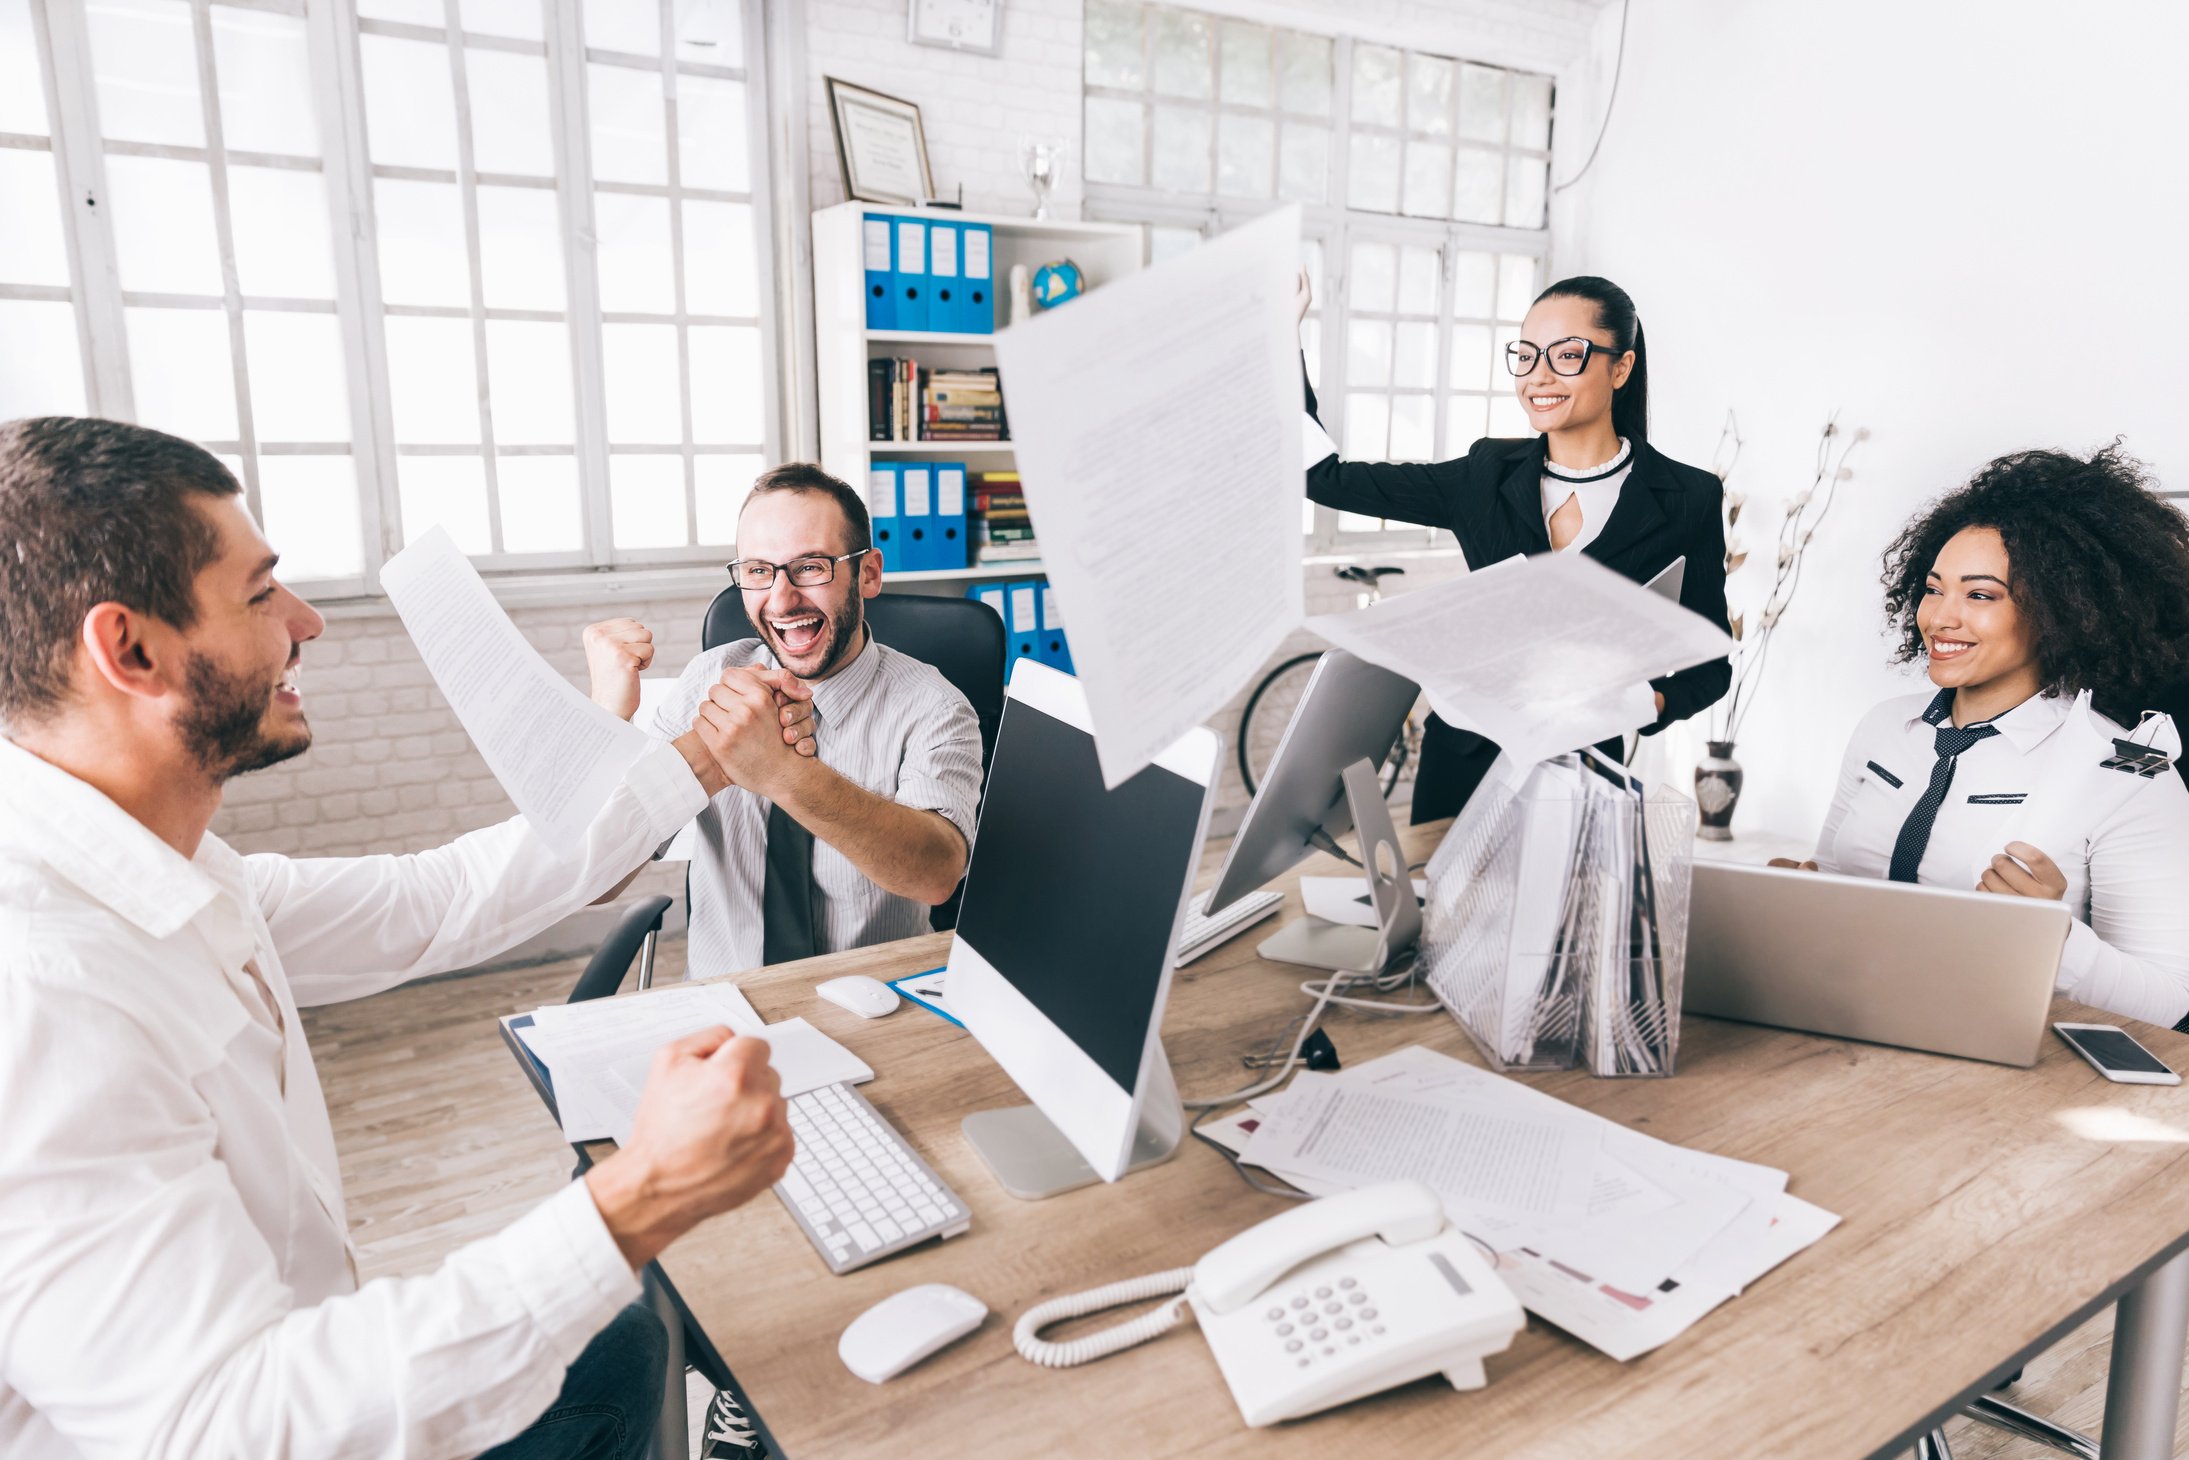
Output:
(1333, 1301)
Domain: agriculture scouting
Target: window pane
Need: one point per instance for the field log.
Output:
(409, 12)
(1507, 418)
(1114, 45)
(721, 484)
(421, 235)
(163, 225)
(1474, 285)
(1115, 141)
(279, 220)
(528, 379)
(516, 18)
(1246, 78)
(1304, 168)
(1428, 179)
(299, 391)
(646, 500)
(710, 134)
(1475, 366)
(1303, 73)
(643, 387)
(1165, 243)
(1376, 86)
(1515, 286)
(629, 131)
(636, 275)
(1531, 112)
(1375, 277)
(1182, 149)
(1413, 428)
(633, 26)
(1181, 53)
(311, 511)
(1417, 279)
(1414, 356)
(1482, 103)
(509, 126)
(182, 373)
(447, 492)
(433, 384)
(1368, 352)
(41, 371)
(410, 102)
(1527, 187)
(540, 507)
(1244, 159)
(1478, 190)
(520, 249)
(265, 77)
(1429, 84)
(712, 31)
(22, 89)
(144, 61)
(1466, 421)
(31, 246)
(728, 398)
(1374, 182)
(721, 275)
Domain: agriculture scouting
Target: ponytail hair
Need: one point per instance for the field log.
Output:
(1617, 317)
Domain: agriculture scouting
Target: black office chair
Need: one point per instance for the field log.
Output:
(634, 937)
(962, 637)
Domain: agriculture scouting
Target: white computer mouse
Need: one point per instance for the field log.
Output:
(906, 1327)
(869, 998)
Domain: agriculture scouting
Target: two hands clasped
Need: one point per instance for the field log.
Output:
(748, 730)
(2019, 871)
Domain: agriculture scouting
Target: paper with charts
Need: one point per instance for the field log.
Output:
(1157, 428)
(557, 754)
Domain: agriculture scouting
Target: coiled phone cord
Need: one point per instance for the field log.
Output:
(1037, 1350)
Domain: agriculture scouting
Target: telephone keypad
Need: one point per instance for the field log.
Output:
(1341, 1304)
(1299, 1302)
(1322, 1292)
(1320, 1334)
(1274, 1314)
(1348, 1284)
(1356, 1298)
(1284, 1330)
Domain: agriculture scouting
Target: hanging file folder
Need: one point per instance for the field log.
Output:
(948, 541)
(1055, 651)
(997, 598)
(881, 289)
(1024, 625)
(912, 279)
(946, 290)
(916, 510)
(881, 507)
(976, 312)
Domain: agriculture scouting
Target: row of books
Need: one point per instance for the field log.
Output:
(1033, 625)
(926, 274)
(1000, 531)
(906, 401)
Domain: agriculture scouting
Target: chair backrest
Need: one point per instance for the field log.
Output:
(612, 960)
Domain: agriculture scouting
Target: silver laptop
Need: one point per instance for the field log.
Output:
(1961, 973)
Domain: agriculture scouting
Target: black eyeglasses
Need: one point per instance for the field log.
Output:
(756, 575)
(1569, 356)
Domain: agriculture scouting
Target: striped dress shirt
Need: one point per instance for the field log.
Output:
(885, 721)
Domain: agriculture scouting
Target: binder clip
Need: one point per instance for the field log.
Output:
(2137, 757)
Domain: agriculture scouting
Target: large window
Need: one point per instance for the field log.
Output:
(490, 265)
(1423, 182)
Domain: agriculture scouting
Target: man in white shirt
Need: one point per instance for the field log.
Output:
(806, 856)
(175, 1272)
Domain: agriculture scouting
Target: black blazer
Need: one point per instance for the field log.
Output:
(1491, 499)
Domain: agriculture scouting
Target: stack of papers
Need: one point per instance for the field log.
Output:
(598, 1053)
(1623, 1240)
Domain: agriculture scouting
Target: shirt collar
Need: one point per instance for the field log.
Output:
(843, 690)
(2025, 727)
(75, 829)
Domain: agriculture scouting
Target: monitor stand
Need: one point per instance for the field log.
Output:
(1339, 947)
(1031, 1159)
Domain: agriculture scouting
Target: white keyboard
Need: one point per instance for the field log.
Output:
(1203, 932)
(856, 1188)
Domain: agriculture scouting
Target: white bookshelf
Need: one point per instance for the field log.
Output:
(844, 345)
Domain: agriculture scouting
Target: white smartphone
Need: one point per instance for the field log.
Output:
(2115, 1054)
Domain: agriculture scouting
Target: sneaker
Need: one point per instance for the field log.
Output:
(729, 1432)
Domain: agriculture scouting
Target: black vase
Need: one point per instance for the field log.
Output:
(1718, 791)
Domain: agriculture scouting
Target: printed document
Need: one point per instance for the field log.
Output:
(1156, 428)
(555, 752)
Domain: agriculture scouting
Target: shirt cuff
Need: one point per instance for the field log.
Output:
(567, 1268)
(668, 794)
(2078, 958)
(1315, 442)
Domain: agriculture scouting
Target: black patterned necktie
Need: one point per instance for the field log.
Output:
(790, 915)
(1915, 832)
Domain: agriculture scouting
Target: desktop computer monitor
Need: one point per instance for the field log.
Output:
(1074, 897)
(1351, 712)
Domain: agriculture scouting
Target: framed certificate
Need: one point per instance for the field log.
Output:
(880, 145)
(959, 25)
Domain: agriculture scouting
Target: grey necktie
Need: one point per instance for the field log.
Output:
(790, 904)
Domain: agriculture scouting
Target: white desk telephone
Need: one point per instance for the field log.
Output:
(1333, 1301)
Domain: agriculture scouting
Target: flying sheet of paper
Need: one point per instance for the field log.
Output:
(653, 694)
(555, 752)
(803, 1057)
(577, 1041)
(1156, 422)
(1541, 656)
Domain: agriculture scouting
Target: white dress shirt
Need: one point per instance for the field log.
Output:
(886, 722)
(2122, 841)
(1596, 488)
(175, 1271)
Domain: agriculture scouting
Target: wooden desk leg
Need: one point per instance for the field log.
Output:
(2143, 1385)
(673, 1431)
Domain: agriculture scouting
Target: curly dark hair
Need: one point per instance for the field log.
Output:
(2099, 563)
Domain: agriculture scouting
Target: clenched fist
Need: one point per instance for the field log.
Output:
(617, 652)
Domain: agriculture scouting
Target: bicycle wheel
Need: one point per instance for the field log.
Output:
(1269, 709)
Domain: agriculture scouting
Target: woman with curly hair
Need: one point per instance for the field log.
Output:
(2049, 601)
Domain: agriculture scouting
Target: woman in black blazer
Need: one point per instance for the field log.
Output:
(1589, 482)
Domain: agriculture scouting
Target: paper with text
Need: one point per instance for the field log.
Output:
(1155, 422)
(555, 752)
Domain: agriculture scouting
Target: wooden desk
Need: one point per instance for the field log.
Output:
(1986, 1211)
